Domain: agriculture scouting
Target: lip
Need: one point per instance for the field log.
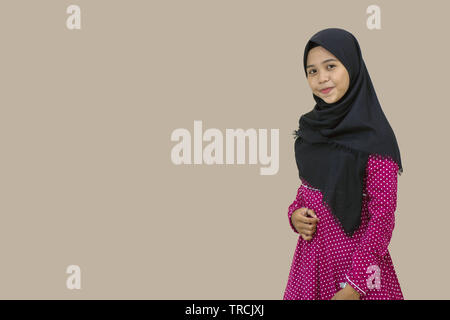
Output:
(327, 90)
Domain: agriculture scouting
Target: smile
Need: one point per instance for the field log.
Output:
(325, 91)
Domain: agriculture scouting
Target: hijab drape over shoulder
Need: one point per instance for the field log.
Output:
(334, 140)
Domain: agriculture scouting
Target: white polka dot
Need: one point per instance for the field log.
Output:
(331, 257)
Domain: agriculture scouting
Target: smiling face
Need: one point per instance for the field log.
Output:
(324, 70)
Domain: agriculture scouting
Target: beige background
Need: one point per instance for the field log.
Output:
(85, 123)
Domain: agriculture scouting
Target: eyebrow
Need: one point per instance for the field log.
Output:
(325, 61)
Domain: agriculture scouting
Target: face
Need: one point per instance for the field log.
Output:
(324, 70)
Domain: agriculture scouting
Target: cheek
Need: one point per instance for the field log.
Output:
(343, 82)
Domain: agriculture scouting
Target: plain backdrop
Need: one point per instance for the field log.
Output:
(86, 117)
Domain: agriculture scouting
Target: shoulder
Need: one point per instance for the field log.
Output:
(381, 165)
(376, 160)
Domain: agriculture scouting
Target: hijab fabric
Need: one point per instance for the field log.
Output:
(334, 140)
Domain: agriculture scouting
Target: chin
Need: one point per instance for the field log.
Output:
(329, 101)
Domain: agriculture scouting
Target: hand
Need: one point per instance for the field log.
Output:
(305, 222)
(347, 293)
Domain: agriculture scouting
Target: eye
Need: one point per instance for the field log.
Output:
(330, 65)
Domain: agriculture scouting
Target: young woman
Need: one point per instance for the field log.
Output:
(348, 160)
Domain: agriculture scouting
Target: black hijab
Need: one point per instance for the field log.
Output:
(334, 140)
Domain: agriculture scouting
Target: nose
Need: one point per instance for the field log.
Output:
(323, 77)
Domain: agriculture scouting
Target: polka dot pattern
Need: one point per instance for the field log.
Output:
(321, 265)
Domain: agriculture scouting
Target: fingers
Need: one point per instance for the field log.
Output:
(307, 231)
(301, 215)
(306, 238)
(305, 222)
(302, 212)
(307, 227)
(311, 213)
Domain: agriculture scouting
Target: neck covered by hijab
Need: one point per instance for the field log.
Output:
(333, 141)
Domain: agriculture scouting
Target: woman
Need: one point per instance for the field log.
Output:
(348, 160)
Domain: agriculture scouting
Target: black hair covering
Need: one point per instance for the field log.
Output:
(334, 140)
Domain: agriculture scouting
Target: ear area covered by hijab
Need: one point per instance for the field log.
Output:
(333, 141)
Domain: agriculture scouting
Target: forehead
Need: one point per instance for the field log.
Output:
(317, 54)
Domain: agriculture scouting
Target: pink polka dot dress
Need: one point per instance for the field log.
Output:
(331, 259)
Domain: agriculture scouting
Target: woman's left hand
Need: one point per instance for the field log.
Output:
(347, 293)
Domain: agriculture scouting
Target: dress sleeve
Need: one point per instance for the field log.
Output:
(297, 204)
(381, 185)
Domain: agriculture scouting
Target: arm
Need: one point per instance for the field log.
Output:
(364, 274)
(297, 204)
